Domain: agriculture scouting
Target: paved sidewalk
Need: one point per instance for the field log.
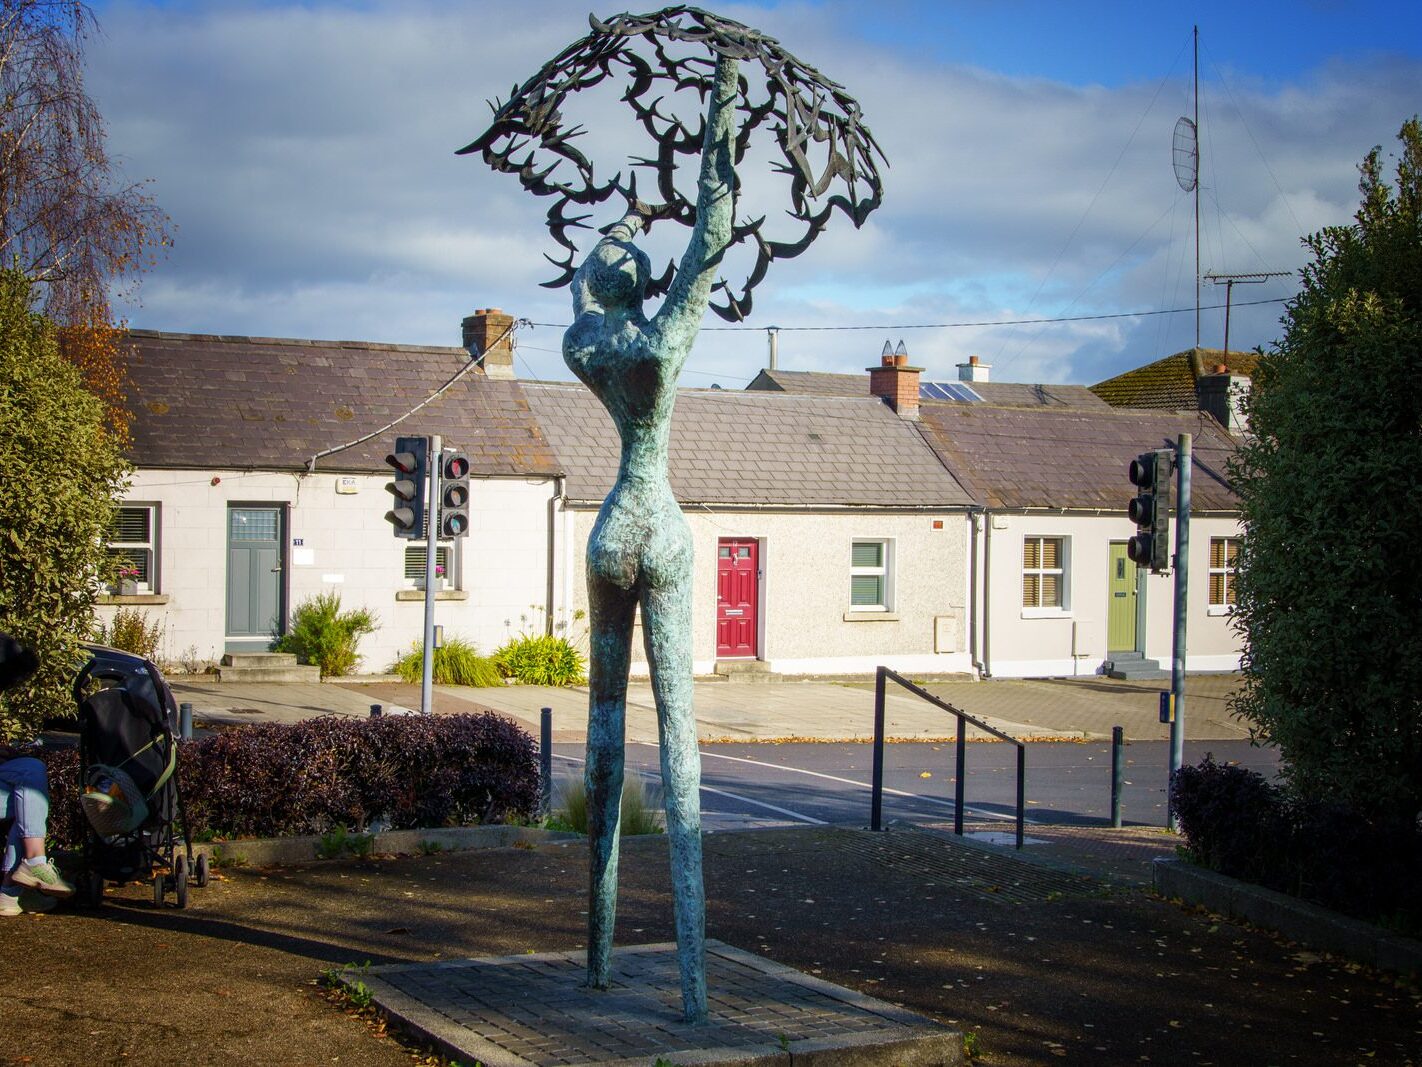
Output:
(1057, 708)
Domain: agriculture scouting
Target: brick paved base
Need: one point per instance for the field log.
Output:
(521, 1011)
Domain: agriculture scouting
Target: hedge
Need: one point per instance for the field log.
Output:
(270, 780)
(1237, 823)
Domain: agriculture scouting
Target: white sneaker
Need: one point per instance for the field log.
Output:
(27, 901)
(44, 877)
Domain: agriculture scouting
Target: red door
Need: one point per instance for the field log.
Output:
(737, 593)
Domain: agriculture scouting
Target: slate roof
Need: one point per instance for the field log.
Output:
(733, 447)
(1008, 394)
(1060, 458)
(1169, 383)
(271, 404)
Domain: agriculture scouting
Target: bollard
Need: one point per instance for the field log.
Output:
(545, 761)
(1118, 773)
(375, 711)
(185, 721)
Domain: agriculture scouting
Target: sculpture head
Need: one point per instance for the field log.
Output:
(614, 276)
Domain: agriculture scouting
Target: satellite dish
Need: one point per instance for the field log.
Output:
(1186, 154)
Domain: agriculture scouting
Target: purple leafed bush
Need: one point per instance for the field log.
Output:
(270, 780)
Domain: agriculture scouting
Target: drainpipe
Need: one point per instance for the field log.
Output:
(987, 594)
(551, 615)
(975, 518)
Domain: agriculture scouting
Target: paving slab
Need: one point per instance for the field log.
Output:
(535, 1010)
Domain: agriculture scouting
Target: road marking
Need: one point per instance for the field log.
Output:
(967, 808)
(720, 793)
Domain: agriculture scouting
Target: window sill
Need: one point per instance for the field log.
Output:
(1220, 609)
(871, 616)
(440, 594)
(1046, 613)
(132, 598)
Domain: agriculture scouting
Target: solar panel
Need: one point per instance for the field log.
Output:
(948, 391)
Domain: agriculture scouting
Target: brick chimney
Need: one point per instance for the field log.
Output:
(895, 381)
(973, 371)
(489, 333)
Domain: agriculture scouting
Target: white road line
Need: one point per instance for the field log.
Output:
(723, 793)
(967, 808)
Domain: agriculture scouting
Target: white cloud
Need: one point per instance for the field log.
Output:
(305, 154)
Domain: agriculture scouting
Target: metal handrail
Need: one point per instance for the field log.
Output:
(877, 802)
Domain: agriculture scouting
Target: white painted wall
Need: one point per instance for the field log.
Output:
(805, 564)
(1024, 643)
(346, 546)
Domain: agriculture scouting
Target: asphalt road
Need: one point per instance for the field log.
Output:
(747, 785)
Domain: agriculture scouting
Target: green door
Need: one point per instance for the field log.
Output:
(254, 577)
(1121, 611)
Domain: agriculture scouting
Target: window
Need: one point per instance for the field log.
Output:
(415, 558)
(1043, 572)
(1224, 552)
(132, 540)
(869, 575)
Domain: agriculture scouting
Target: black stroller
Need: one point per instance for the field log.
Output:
(128, 781)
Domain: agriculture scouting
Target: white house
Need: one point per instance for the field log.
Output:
(260, 481)
(828, 537)
(1051, 589)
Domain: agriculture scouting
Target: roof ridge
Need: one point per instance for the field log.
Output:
(299, 342)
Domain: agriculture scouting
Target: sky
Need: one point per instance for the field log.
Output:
(305, 154)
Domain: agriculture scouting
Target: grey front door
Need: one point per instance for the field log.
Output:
(254, 574)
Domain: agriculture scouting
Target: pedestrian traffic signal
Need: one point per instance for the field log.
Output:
(1150, 509)
(454, 494)
(408, 488)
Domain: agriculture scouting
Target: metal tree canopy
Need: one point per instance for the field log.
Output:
(827, 153)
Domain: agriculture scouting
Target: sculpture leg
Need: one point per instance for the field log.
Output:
(666, 617)
(610, 622)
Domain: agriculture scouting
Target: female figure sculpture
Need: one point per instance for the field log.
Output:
(639, 554)
(640, 549)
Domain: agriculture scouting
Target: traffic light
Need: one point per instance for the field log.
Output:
(1150, 510)
(454, 494)
(411, 475)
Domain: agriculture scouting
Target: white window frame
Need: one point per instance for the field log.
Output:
(447, 548)
(885, 572)
(150, 546)
(1062, 572)
(1227, 571)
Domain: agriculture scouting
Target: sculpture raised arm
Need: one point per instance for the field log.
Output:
(690, 291)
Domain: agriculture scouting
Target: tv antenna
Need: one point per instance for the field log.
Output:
(1229, 281)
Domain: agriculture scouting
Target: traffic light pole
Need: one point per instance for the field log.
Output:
(431, 560)
(1182, 581)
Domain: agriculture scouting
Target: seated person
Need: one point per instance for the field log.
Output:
(24, 798)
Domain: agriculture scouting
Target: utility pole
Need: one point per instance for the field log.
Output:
(1196, 120)
(1182, 582)
(1229, 281)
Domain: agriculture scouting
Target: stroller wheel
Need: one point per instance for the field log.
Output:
(94, 889)
(200, 872)
(158, 890)
(180, 881)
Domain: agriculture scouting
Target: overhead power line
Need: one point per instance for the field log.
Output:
(958, 325)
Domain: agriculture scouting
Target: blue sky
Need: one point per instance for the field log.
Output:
(305, 154)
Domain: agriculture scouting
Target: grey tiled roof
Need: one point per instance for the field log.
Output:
(1054, 458)
(271, 404)
(730, 447)
(1007, 394)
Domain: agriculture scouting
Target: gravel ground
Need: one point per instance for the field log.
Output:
(1037, 963)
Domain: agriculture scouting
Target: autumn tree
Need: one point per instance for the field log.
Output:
(68, 221)
(63, 471)
(1330, 584)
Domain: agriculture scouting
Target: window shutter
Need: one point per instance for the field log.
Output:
(867, 554)
(130, 524)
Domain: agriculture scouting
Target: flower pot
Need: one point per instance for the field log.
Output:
(128, 588)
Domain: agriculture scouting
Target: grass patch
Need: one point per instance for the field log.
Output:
(457, 662)
(641, 812)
